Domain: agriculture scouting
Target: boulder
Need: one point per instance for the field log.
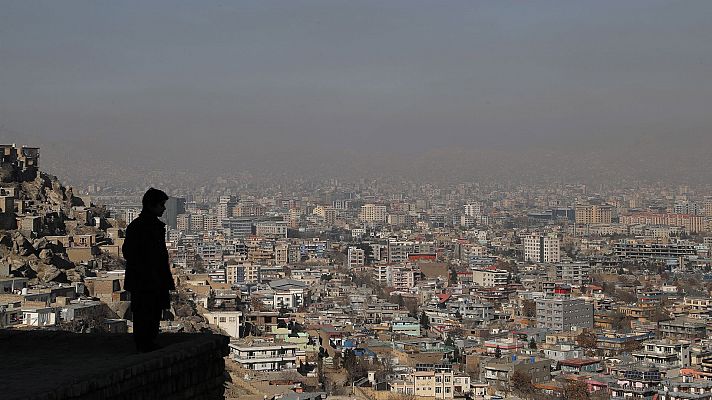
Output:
(40, 244)
(61, 261)
(46, 256)
(20, 245)
(24, 271)
(73, 275)
(48, 273)
(118, 309)
(6, 240)
(81, 269)
(17, 262)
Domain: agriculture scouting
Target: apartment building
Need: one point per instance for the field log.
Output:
(665, 353)
(473, 209)
(373, 213)
(289, 293)
(438, 385)
(267, 357)
(356, 258)
(688, 388)
(490, 277)
(594, 214)
(691, 223)
(542, 248)
(574, 273)
(498, 372)
(635, 249)
(271, 229)
(636, 383)
(561, 314)
(242, 273)
(683, 329)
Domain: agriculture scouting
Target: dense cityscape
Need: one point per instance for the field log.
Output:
(382, 289)
(355, 200)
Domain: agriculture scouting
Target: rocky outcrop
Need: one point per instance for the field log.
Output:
(40, 260)
(20, 245)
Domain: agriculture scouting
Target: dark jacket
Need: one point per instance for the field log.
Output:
(147, 269)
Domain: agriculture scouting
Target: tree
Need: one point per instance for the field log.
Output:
(497, 352)
(587, 340)
(620, 322)
(532, 344)
(399, 300)
(631, 345)
(424, 320)
(529, 308)
(355, 366)
(367, 252)
(575, 390)
(453, 277)
(521, 383)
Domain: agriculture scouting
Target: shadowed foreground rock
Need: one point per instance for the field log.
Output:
(60, 365)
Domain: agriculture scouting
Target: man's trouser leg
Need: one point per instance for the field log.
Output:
(147, 316)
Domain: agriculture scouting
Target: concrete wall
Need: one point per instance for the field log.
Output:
(189, 367)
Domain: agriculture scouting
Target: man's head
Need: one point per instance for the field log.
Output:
(154, 201)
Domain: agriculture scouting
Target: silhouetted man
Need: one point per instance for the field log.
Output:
(148, 275)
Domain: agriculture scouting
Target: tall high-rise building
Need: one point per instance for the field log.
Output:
(226, 205)
(542, 248)
(174, 206)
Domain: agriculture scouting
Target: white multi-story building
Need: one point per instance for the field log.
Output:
(490, 277)
(289, 293)
(399, 277)
(228, 321)
(132, 214)
(473, 209)
(356, 257)
(542, 248)
(277, 357)
(665, 353)
(439, 385)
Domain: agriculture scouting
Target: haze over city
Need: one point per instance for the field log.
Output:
(560, 89)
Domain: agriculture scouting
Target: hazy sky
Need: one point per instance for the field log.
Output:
(261, 79)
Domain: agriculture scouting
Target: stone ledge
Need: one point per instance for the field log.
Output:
(53, 365)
